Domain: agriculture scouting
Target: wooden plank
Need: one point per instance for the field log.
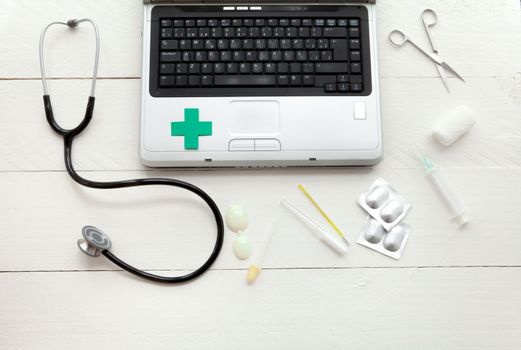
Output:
(472, 36)
(460, 308)
(111, 141)
(155, 228)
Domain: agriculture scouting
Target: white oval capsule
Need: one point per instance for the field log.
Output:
(236, 218)
(393, 240)
(391, 211)
(377, 197)
(242, 247)
(374, 232)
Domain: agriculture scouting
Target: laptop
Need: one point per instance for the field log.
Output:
(258, 84)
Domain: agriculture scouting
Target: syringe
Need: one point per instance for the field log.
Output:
(457, 210)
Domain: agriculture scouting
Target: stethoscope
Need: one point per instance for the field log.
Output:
(95, 242)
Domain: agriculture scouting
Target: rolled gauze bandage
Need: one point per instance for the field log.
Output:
(453, 126)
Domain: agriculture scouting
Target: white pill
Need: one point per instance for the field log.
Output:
(236, 218)
(242, 246)
(377, 197)
(374, 232)
(393, 240)
(391, 211)
(454, 125)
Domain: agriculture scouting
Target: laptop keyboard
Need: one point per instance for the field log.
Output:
(286, 56)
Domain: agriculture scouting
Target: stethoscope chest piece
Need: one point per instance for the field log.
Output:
(94, 241)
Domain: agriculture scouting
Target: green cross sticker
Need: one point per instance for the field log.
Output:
(191, 128)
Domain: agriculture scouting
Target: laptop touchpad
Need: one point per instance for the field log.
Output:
(254, 117)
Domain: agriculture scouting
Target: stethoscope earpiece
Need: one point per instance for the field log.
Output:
(94, 241)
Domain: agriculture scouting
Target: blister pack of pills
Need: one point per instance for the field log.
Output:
(390, 243)
(384, 204)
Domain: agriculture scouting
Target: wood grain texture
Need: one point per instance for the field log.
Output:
(428, 309)
(452, 289)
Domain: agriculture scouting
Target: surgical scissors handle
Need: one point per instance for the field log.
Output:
(398, 38)
(430, 19)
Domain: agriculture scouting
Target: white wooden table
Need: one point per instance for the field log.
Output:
(452, 289)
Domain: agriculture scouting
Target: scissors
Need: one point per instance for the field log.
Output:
(429, 19)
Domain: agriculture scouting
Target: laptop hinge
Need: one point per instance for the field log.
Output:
(257, 1)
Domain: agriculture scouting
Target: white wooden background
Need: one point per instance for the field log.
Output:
(452, 289)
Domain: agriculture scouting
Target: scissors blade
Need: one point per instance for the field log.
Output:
(449, 68)
(441, 71)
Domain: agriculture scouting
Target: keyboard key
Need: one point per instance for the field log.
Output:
(301, 56)
(270, 68)
(219, 68)
(201, 23)
(295, 80)
(248, 22)
(323, 44)
(225, 23)
(169, 44)
(181, 80)
(171, 56)
(330, 87)
(291, 32)
(166, 80)
(167, 68)
(166, 23)
(326, 55)
(331, 68)
(244, 68)
(354, 44)
(342, 22)
(335, 32)
(331, 22)
(356, 87)
(307, 22)
(272, 22)
(283, 67)
(354, 32)
(354, 22)
(232, 68)
(212, 23)
(166, 33)
(190, 23)
(206, 80)
(355, 79)
(259, 22)
(194, 80)
(321, 80)
(179, 23)
(295, 22)
(283, 80)
(354, 55)
(257, 68)
(245, 80)
(308, 80)
(222, 44)
(284, 22)
(181, 68)
(194, 68)
(343, 87)
(237, 22)
(319, 22)
(343, 78)
(339, 47)
(295, 67)
(197, 44)
(356, 68)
